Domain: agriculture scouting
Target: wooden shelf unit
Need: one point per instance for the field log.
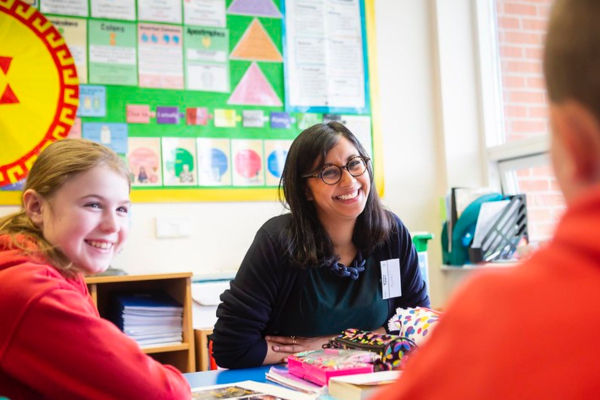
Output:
(177, 285)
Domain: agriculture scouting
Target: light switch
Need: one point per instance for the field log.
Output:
(172, 227)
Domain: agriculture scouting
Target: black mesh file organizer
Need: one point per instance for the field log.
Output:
(501, 241)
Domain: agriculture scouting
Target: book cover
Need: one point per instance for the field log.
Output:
(248, 390)
(360, 386)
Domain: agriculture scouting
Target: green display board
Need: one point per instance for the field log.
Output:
(238, 27)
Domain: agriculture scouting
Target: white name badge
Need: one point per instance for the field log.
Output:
(391, 286)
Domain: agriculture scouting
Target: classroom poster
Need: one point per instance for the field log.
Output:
(74, 30)
(77, 8)
(225, 118)
(213, 162)
(160, 11)
(111, 9)
(247, 157)
(206, 60)
(254, 89)
(179, 161)
(112, 135)
(325, 70)
(253, 118)
(160, 57)
(276, 152)
(112, 47)
(92, 101)
(360, 126)
(256, 45)
(306, 120)
(75, 131)
(144, 160)
(205, 13)
(254, 8)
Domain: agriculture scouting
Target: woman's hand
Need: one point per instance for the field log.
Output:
(295, 344)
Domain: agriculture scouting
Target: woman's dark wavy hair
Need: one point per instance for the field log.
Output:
(305, 241)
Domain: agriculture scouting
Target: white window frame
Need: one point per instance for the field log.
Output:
(501, 157)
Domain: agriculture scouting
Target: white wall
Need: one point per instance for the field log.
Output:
(429, 114)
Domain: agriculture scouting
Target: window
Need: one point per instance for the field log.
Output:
(516, 111)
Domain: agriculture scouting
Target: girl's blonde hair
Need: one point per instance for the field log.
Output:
(58, 163)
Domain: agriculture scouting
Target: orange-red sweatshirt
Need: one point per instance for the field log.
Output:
(54, 345)
(530, 332)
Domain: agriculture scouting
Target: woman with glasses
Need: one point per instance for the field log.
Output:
(313, 272)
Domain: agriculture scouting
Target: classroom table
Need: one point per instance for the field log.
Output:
(219, 377)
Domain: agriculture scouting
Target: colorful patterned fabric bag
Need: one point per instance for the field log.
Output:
(392, 350)
(414, 323)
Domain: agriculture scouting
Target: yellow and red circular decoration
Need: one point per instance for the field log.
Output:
(39, 88)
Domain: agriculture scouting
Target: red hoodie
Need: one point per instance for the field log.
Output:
(529, 332)
(54, 345)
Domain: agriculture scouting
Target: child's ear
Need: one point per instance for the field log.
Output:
(582, 141)
(33, 204)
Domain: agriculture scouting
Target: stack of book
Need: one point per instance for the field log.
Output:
(360, 386)
(149, 318)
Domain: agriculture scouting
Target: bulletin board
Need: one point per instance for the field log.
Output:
(136, 118)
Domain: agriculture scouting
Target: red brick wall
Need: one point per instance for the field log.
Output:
(521, 28)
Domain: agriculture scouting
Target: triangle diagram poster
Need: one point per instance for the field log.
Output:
(256, 45)
(254, 8)
(254, 89)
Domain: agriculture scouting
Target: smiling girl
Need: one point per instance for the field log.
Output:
(53, 344)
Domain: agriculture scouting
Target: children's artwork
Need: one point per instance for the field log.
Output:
(144, 159)
(205, 13)
(306, 120)
(160, 11)
(122, 9)
(74, 30)
(253, 118)
(256, 45)
(92, 101)
(276, 152)
(247, 162)
(111, 135)
(138, 114)
(255, 8)
(78, 8)
(281, 120)
(112, 47)
(179, 161)
(206, 61)
(254, 89)
(213, 162)
(160, 56)
(225, 118)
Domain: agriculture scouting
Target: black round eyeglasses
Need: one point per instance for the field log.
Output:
(332, 174)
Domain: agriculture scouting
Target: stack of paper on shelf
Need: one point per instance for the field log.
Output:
(360, 386)
(149, 318)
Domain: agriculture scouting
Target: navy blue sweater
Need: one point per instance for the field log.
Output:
(265, 283)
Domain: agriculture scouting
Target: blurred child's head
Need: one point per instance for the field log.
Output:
(571, 67)
(75, 206)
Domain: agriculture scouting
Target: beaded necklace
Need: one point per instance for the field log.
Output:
(353, 271)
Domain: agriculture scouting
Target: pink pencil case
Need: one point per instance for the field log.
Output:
(319, 366)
